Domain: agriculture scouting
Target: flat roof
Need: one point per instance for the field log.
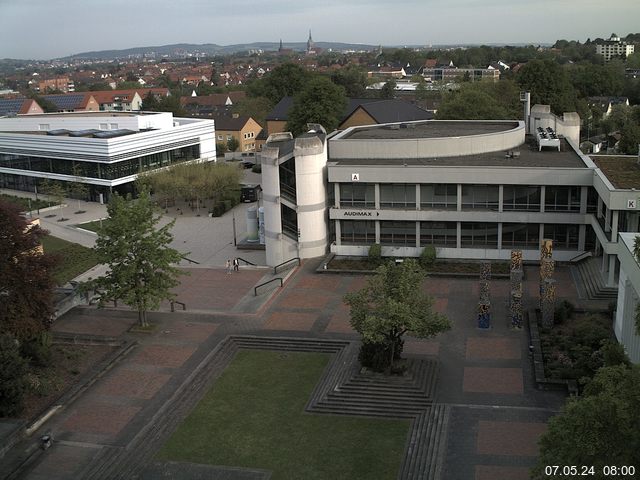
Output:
(621, 171)
(528, 157)
(430, 129)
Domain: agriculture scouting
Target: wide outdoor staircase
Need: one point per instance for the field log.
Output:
(594, 285)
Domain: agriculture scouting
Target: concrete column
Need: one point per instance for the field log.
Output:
(338, 232)
(543, 194)
(600, 203)
(418, 234)
(605, 260)
(377, 195)
(607, 221)
(459, 198)
(458, 233)
(336, 194)
(582, 235)
(500, 202)
(541, 234)
(418, 196)
(500, 231)
(633, 221)
(614, 225)
(611, 279)
(377, 231)
(584, 194)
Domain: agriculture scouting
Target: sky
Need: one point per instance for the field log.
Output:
(45, 29)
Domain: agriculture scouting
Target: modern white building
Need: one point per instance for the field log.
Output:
(107, 151)
(614, 47)
(628, 297)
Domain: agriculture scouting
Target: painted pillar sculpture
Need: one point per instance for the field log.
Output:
(549, 302)
(515, 299)
(484, 304)
(547, 265)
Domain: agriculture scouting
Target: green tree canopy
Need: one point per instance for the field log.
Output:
(392, 304)
(600, 428)
(549, 84)
(353, 79)
(388, 90)
(285, 80)
(321, 101)
(482, 101)
(141, 264)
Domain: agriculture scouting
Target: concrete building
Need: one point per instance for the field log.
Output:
(107, 151)
(614, 47)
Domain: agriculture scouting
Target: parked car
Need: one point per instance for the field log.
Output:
(250, 193)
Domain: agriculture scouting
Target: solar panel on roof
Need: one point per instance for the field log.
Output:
(10, 105)
(65, 102)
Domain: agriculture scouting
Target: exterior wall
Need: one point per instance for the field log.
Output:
(357, 118)
(249, 144)
(33, 108)
(275, 247)
(82, 120)
(628, 288)
(92, 105)
(568, 125)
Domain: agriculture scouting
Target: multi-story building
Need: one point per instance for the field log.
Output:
(614, 47)
(73, 102)
(244, 129)
(64, 84)
(458, 74)
(107, 151)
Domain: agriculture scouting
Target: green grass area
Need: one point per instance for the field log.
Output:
(254, 417)
(92, 226)
(74, 259)
(23, 203)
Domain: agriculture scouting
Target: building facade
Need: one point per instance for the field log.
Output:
(614, 47)
(105, 151)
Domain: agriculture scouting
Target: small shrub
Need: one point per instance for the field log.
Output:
(13, 370)
(38, 349)
(613, 354)
(375, 255)
(428, 256)
(376, 356)
(563, 312)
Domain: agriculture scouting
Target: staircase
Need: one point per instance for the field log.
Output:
(594, 285)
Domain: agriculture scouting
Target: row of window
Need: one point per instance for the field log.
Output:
(107, 171)
(474, 197)
(444, 234)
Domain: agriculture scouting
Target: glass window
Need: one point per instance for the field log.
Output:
(525, 235)
(564, 236)
(479, 234)
(480, 197)
(397, 195)
(444, 197)
(439, 234)
(521, 197)
(592, 200)
(398, 233)
(357, 232)
(357, 195)
(562, 199)
(289, 221)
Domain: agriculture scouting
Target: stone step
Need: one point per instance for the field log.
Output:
(593, 282)
(367, 411)
(380, 391)
(391, 403)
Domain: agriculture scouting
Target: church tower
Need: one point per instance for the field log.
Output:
(310, 45)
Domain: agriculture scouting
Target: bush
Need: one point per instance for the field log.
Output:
(13, 370)
(375, 255)
(613, 354)
(376, 356)
(563, 312)
(38, 350)
(428, 256)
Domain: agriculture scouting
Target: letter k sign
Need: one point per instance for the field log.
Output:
(355, 177)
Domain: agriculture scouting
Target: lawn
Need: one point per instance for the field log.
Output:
(74, 259)
(92, 226)
(254, 417)
(24, 203)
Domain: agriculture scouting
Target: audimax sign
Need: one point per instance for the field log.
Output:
(360, 213)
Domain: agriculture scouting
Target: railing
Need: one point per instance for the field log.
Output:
(295, 259)
(581, 256)
(184, 257)
(173, 302)
(246, 261)
(255, 289)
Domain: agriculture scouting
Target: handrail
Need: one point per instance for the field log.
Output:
(255, 289)
(184, 305)
(246, 261)
(275, 269)
(184, 257)
(581, 256)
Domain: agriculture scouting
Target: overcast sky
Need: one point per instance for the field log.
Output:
(43, 29)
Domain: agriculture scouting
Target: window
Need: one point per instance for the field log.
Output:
(401, 234)
(565, 237)
(562, 199)
(521, 198)
(220, 137)
(480, 197)
(113, 126)
(439, 234)
(400, 195)
(104, 126)
(439, 196)
(357, 232)
(357, 195)
(524, 235)
(229, 137)
(480, 235)
(289, 221)
(44, 127)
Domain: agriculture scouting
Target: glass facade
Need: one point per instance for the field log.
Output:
(357, 195)
(289, 221)
(479, 235)
(480, 197)
(440, 197)
(521, 198)
(521, 235)
(353, 232)
(288, 179)
(439, 234)
(397, 195)
(565, 237)
(400, 234)
(562, 199)
(100, 170)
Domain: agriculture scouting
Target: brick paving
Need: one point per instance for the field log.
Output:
(497, 412)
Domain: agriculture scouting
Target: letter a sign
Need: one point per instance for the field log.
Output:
(355, 177)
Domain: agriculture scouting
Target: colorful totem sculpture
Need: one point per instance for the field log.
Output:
(548, 302)
(515, 299)
(547, 265)
(484, 304)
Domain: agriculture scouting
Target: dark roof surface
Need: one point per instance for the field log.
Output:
(437, 129)
(622, 171)
(230, 123)
(68, 101)
(11, 105)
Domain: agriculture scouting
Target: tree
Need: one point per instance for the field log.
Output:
(630, 139)
(393, 304)
(141, 264)
(233, 144)
(77, 187)
(321, 102)
(13, 370)
(56, 190)
(150, 103)
(388, 90)
(549, 84)
(481, 101)
(353, 79)
(600, 428)
(26, 284)
(221, 148)
(255, 107)
(285, 80)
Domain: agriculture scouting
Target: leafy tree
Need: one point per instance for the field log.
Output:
(388, 90)
(393, 304)
(255, 107)
(321, 101)
(221, 148)
(549, 84)
(353, 79)
(57, 191)
(630, 139)
(13, 370)
(600, 428)
(481, 100)
(141, 264)
(26, 285)
(287, 79)
(150, 103)
(77, 187)
(233, 144)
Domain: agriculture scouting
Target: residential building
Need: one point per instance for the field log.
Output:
(64, 84)
(451, 73)
(74, 102)
(606, 104)
(244, 129)
(109, 150)
(18, 106)
(207, 105)
(614, 47)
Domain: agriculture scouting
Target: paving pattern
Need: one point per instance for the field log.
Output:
(482, 419)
